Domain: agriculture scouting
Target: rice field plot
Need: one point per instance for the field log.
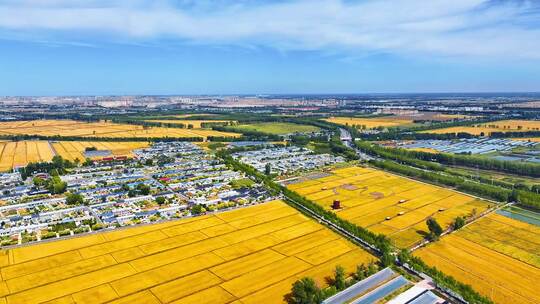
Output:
(386, 203)
(100, 129)
(496, 126)
(72, 150)
(250, 255)
(496, 255)
(371, 123)
(15, 154)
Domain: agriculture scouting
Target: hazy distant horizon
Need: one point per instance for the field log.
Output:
(282, 95)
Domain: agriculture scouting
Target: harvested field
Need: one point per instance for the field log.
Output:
(252, 254)
(20, 153)
(497, 256)
(495, 126)
(386, 203)
(100, 129)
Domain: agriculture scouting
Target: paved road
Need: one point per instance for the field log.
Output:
(360, 287)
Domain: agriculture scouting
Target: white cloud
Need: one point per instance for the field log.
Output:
(477, 28)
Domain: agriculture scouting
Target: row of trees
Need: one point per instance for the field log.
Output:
(443, 280)
(470, 161)
(436, 173)
(57, 166)
(116, 139)
(487, 191)
(380, 242)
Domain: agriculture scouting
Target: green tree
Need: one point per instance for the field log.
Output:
(305, 291)
(404, 256)
(143, 189)
(339, 278)
(458, 223)
(435, 229)
(56, 185)
(74, 199)
(361, 272)
(197, 209)
(387, 259)
(268, 169)
(39, 182)
(372, 269)
(88, 162)
(160, 200)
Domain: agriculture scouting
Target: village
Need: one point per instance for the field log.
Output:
(168, 180)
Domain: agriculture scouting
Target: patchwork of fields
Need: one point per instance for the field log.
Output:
(371, 123)
(495, 126)
(20, 153)
(249, 255)
(496, 255)
(405, 120)
(278, 128)
(100, 129)
(386, 203)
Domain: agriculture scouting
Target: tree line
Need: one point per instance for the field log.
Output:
(485, 163)
(382, 244)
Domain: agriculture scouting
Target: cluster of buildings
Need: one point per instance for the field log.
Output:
(165, 181)
(470, 145)
(286, 160)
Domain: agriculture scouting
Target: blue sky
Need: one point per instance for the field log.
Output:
(72, 47)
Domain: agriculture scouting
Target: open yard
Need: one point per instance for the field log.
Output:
(386, 203)
(252, 254)
(100, 129)
(497, 256)
(278, 128)
(496, 126)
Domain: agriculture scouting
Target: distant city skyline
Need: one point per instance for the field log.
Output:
(143, 47)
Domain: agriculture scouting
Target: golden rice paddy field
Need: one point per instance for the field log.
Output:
(194, 123)
(386, 203)
(249, 255)
(496, 126)
(370, 123)
(100, 129)
(21, 153)
(427, 150)
(17, 154)
(72, 150)
(498, 256)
